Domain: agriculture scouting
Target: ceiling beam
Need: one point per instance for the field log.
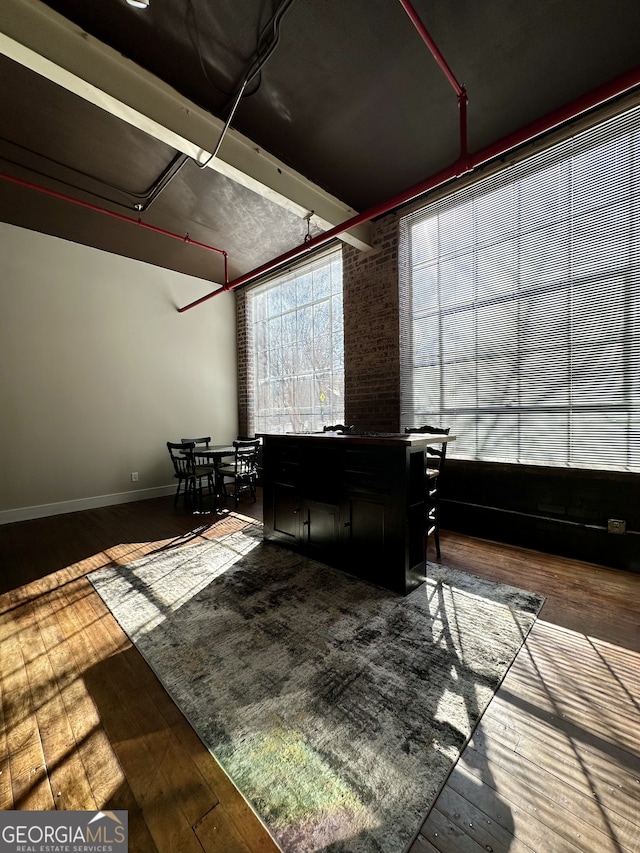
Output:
(40, 39)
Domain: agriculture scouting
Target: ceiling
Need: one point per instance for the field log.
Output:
(345, 108)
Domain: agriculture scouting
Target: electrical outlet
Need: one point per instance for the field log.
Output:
(134, 476)
(616, 525)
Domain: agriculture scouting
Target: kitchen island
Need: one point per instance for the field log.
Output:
(354, 501)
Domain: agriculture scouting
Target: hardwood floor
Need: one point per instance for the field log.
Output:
(553, 766)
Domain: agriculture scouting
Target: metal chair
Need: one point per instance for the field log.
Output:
(192, 478)
(434, 463)
(244, 470)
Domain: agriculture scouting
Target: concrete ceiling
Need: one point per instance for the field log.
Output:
(121, 109)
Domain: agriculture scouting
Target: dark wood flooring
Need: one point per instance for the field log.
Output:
(553, 766)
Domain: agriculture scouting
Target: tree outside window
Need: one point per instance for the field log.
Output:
(295, 335)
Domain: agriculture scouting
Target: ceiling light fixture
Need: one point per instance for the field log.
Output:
(139, 4)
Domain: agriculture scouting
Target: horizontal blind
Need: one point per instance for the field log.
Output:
(520, 307)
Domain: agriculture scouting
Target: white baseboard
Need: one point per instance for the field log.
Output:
(8, 516)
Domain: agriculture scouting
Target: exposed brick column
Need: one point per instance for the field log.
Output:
(245, 416)
(372, 331)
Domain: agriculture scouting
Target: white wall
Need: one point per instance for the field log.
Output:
(98, 371)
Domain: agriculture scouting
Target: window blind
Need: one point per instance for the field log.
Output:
(520, 307)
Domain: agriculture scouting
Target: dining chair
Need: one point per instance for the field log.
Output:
(434, 463)
(205, 440)
(192, 478)
(342, 428)
(243, 472)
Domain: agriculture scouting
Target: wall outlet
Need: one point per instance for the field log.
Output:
(616, 525)
(134, 476)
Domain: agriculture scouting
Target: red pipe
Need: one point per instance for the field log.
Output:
(433, 47)
(462, 106)
(55, 194)
(570, 111)
(460, 91)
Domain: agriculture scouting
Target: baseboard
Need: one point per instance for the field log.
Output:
(8, 516)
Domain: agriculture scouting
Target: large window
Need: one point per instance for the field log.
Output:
(296, 348)
(521, 307)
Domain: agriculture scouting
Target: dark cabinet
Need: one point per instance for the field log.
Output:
(351, 502)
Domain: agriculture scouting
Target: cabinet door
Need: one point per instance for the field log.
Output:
(321, 530)
(365, 535)
(286, 512)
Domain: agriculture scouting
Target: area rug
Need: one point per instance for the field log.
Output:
(336, 707)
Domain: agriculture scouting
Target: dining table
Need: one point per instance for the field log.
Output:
(214, 452)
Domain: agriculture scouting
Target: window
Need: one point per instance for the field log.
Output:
(296, 347)
(520, 308)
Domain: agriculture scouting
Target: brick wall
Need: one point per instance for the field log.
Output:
(371, 331)
(244, 413)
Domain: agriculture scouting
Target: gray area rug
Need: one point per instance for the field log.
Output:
(337, 708)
